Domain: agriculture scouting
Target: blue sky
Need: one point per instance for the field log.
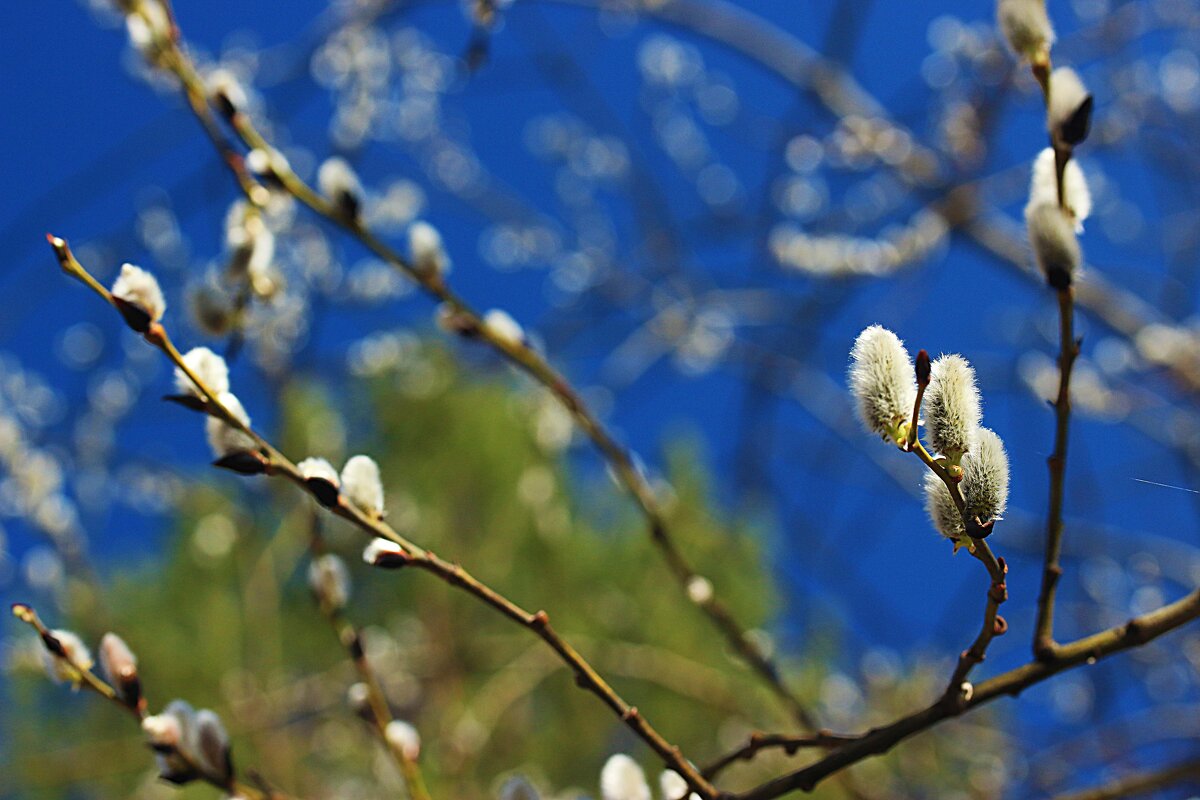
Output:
(87, 144)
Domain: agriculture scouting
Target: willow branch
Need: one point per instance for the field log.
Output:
(97, 685)
(275, 463)
(789, 743)
(1043, 642)
(1088, 650)
(1139, 782)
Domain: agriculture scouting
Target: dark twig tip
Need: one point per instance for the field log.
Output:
(243, 462)
(923, 368)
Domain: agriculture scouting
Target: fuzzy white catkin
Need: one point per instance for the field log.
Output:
(318, 468)
(223, 438)
(404, 737)
(117, 662)
(984, 487)
(358, 697)
(379, 548)
(1025, 25)
(138, 287)
(330, 580)
(502, 326)
(163, 730)
(674, 787)
(622, 779)
(147, 23)
(952, 406)
(337, 180)
(172, 733)
(208, 367)
(362, 485)
(1052, 237)
(882, 379)
(222, 82)
(1043, 187)
(1067, 94)
(250, 241)
(426, 249)
(209, 744)
(63, 670)
(263, 162)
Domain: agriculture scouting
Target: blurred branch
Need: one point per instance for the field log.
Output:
(1139, 782)
(790, 744)
(379, 710)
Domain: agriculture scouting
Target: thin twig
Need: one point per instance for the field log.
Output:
(1043, 641)
(380, 710)
(275, 463)
(789, 743)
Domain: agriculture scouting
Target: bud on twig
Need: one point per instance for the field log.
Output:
(234, 449)
(674, 787)
(118, 665)
(321, 479)
(923, 368)
(330, 581)
(426, 249)
(1026, 27)
(340, 185)
(454, 321)
(1043, 187)
(1069, 113)
(984, 489)
(210, 744)
(882, 381)
(65, 657)
(226, 92)
(403, 737)
(1055, 247)
(952, 406)
(622, 779)
(504, 328)
(386, 554)
(206, 365)
(138, 297)
(362, 485)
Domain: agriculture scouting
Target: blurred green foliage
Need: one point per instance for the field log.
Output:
(223, 618)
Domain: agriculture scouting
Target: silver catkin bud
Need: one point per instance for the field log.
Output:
(882, 380)
(1055, 247)
(984, 487)
(952, 407)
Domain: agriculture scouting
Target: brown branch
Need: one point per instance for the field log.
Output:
(1043, 641)
(274, 463)
(789, 743)
(1139, 782)
(618, 457)
(1088, 650)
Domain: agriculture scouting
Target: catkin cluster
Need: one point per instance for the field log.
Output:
(886, 384)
